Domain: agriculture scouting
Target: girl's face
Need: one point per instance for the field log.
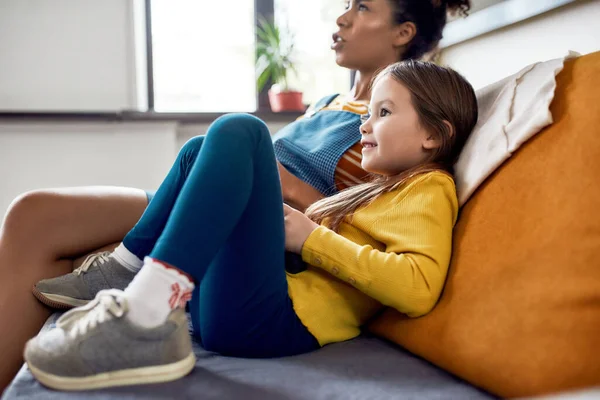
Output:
(392, 137)
(367, 38)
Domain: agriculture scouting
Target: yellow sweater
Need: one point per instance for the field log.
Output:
(394, 252)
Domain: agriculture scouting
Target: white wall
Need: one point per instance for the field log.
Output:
(66, 55)
(35, 154)
(491, 57)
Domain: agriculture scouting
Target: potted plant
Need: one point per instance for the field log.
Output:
(274, 62)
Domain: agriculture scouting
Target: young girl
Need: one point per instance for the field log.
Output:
(383, 243)
(370, 35)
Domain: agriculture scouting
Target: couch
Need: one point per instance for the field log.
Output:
(474, 344)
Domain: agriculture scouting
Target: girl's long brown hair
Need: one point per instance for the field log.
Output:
(438, 94)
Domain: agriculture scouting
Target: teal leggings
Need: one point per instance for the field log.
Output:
(218, 216)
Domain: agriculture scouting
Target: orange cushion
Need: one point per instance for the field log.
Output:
(520, 313)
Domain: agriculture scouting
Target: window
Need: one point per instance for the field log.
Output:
(203, 52)
(203, 55)
(312, 22)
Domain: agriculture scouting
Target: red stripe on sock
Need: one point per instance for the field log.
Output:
(178, 297)
(169, 266)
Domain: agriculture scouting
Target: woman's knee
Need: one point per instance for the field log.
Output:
(25, 214)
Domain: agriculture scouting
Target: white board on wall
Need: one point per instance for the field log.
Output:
(66, 55)
(495, 55)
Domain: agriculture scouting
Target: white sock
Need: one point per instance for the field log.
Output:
(155, 291)
(127, 258)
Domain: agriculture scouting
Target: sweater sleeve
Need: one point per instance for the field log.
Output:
(414, 227)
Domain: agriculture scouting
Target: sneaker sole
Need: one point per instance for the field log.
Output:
(133, 376)
(58, 301)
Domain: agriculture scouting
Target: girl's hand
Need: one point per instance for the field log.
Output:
(297, 229)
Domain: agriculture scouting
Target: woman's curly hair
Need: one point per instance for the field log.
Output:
(429, 16)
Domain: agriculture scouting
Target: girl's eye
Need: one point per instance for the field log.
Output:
(362, 7)
(383, 112)
(364, 118)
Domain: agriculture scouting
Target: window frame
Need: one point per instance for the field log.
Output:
(264, 8)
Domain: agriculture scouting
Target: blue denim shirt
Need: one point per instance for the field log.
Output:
(311, 147)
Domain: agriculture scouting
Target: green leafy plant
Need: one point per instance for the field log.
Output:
(274, 52)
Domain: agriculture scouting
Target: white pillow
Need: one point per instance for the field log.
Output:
(511, 111)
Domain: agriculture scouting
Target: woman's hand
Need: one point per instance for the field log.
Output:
(297, 229)
(296, 192)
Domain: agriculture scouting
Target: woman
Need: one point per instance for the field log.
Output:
(44, 231)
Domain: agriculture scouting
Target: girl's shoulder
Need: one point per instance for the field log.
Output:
(426, 188)
(428, 196)
(431, 179)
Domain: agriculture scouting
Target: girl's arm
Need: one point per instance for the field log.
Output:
(415, 230)
(296, 192)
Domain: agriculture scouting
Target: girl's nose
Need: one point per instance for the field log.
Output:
(365, 128)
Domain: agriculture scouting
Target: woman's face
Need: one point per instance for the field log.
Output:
(367, 38)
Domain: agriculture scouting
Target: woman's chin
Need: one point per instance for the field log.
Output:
(343, 61)
(339, 60)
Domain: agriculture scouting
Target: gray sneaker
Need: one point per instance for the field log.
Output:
(96, 346)
(100, 271)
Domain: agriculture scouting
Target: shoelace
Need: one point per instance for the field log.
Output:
(99, 258)
(107, 304)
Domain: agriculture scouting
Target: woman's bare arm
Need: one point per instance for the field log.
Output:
(296, 192)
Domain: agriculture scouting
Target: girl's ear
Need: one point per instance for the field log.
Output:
(435, 141)
(432, 142)
(404, 33)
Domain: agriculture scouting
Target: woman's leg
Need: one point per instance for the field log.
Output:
(111, 246)
(226, 230)
(117, 271)
(40, 235)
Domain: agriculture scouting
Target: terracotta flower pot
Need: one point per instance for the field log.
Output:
(286, 101)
